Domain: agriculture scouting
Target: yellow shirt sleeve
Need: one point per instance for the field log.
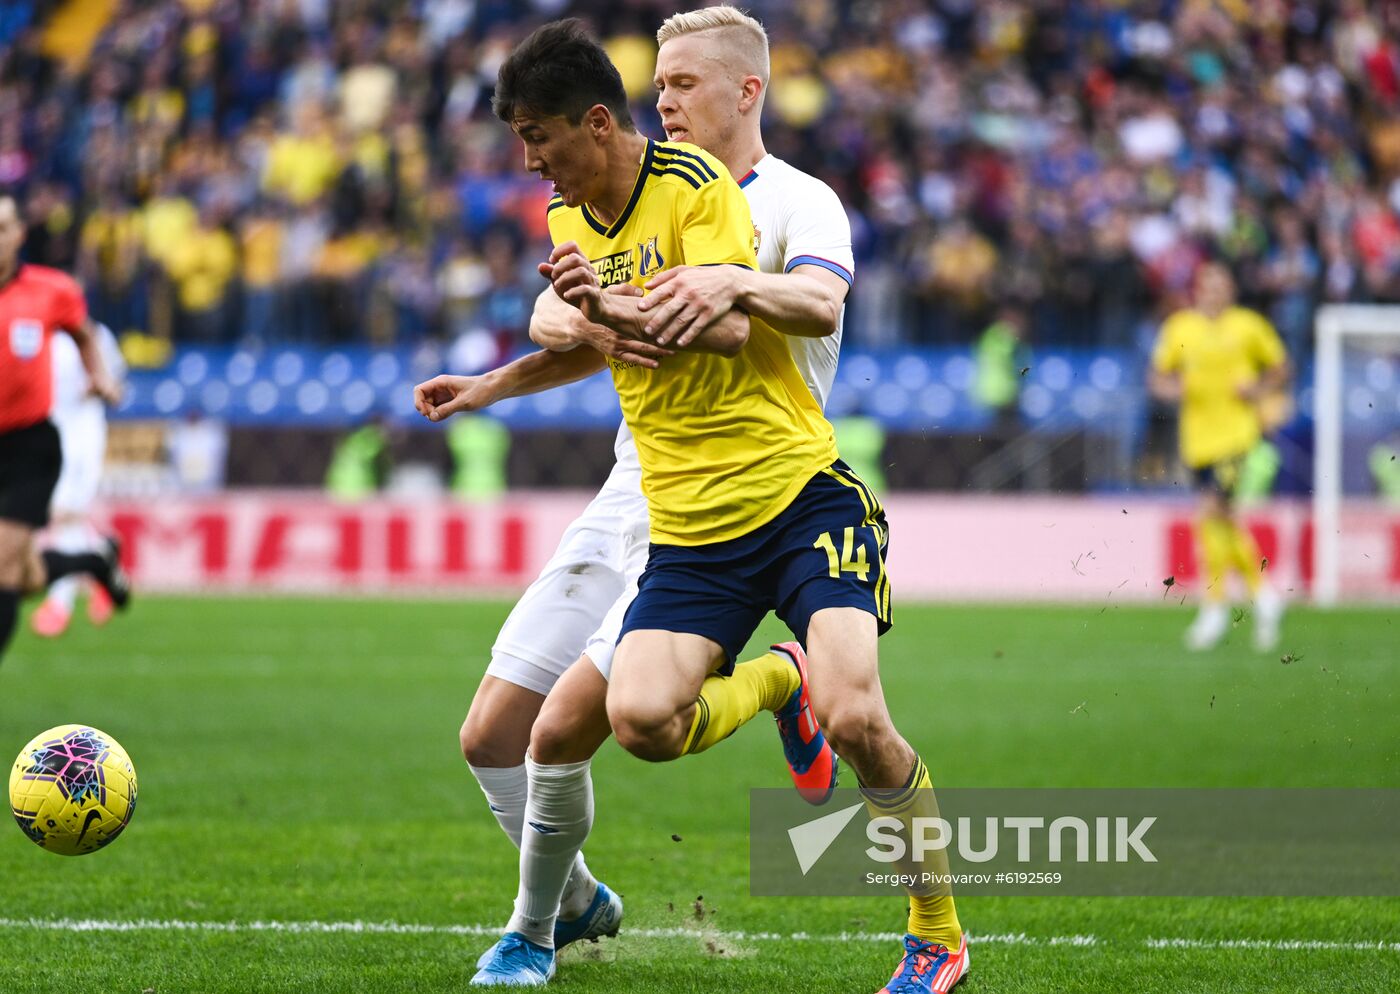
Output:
(1265, 347)
(717, 228)
(1166, 353)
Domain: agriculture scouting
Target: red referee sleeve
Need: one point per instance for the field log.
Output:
(70, 309)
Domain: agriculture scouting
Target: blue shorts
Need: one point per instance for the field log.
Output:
(826, 549)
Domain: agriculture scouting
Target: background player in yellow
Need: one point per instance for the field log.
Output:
(1218, 360)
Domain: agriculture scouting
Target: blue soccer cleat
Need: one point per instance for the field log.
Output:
(515, 961)
(927, 968)
(810, 760)
(603, 918)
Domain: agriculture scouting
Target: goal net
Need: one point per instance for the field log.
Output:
(1356, 466)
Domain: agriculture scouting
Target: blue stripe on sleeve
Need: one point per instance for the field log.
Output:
(813, 260)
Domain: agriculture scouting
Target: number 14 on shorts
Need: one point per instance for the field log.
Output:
(852, 558)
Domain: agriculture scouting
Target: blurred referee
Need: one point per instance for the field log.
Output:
(36, 302)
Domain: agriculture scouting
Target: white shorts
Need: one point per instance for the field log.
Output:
(82, 430)
(577, 602)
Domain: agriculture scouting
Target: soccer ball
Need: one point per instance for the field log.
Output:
(72, 790)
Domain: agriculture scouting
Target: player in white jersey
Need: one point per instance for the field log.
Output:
(573, 612)
(81, 419)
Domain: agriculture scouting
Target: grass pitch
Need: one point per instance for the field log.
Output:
(299, 774)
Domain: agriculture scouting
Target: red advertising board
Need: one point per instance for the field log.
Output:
(941, 547)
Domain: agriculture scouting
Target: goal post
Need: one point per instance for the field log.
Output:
(1337, 325)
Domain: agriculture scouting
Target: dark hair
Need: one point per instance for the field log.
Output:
(560, 71)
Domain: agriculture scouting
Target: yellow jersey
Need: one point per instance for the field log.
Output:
(1215, 359)
(725, 444)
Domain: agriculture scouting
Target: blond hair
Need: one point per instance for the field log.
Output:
(742, 35)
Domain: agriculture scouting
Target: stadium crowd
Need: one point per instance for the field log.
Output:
(318, 171)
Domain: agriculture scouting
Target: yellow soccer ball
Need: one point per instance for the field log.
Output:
(72, 790)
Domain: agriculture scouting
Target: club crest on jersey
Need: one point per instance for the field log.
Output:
(650, 257)
(26, 338)
(613, 269)
(757, 239)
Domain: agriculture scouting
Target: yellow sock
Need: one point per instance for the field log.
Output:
(1218, 551)
(726, 702)
(1244, 553)
(932, 917)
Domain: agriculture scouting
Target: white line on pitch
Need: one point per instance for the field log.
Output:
(1282, 945)
(402, 928)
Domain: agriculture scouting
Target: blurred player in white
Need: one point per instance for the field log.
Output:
(712, 76)
(81, 419)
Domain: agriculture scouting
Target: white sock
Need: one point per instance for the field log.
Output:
(558, 817)
(582, 885)
(506, 789)
(71, 538)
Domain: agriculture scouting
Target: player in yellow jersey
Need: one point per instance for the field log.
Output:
(1218, 360)
(751, 510)
(747, 411)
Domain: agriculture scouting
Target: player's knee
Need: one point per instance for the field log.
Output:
(482, 748)
(646, 734)
(471, 743)
(551, 741)
(651, 744)
(855, 731)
